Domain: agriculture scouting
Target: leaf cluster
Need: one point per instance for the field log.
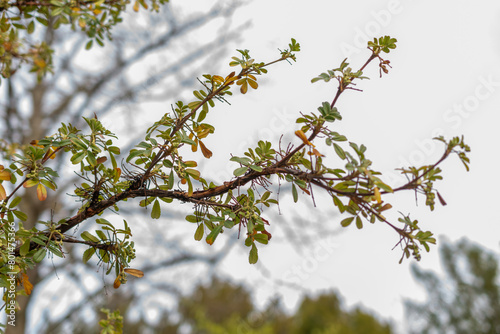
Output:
(23, 18)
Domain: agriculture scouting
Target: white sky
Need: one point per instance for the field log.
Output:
(447, 60)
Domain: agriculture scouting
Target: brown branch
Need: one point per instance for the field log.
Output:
(180, 124)
(317, 128)
(411, 184)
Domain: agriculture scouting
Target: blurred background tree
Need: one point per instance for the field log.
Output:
(104, 81)
(221, 307)
(465, 300)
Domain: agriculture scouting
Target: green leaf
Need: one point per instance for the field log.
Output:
(40, 240)
(194, 104)
(25, 248)
(203, 113)
(48, 184)
(340, 152)
(262, 238)
(192, 219)
(197, 95)
(171, 180)
(359, 222)
(88, 46)
(384, 186)
(240, 171)
(156, 211)
(294, 193)
(213, 234)
(87, 236)
(193, 173)
(101, 235)
(198, 235)
(78, 144)
(102, 221)
(57, 11)
(242, 160)
(346, 222)
(20, 215)
(31, 27)
(88, 254)
(39, 255)
(78, 157)
(91, 159)
(265, 196)
(338, 203)
(228, 223)
(186, 140)
(54, 249)
(256, 168)
(254, 255)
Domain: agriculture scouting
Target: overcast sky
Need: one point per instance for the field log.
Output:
(445, 80)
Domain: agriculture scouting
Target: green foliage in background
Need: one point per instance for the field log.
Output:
(465, 300)
(222, 307)
(20, 22)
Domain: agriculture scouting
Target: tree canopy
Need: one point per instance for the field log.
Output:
(224, 307)
(95, 18)
(465, 300)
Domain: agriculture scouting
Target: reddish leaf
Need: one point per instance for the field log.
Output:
(134, 272)
(117, 283)
(28, 287)
(100, 160)
(206, 152)
(302, 136)
(4, 175)
(41, 192)
(3, 194)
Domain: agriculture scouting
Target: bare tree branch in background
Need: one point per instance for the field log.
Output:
(101, 81)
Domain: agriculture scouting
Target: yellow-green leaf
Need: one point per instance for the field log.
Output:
(30, 183)
(156, 212)
(346, 222)
(240, 171)
(88, 254)
(39, 255)
(194, 173)
(25, 248)
(87, 236)
(294, 193)
(253, 84)
(359, 222)
(198, 235)
(20, 215)
(193, 104)
(213, 235)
